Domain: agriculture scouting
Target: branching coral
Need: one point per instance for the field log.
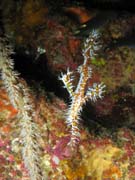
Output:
(20, 99)
(80, 95)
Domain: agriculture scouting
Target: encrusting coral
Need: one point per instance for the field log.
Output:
(100, 160)
(80, 95)
(20, 99)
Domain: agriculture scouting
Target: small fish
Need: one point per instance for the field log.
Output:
(106, 10)
(79, 14)
(101, 18)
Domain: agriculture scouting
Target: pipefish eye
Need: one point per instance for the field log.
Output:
(96, 41)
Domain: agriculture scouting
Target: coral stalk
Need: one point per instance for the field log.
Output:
(20, 99)
(80, 95)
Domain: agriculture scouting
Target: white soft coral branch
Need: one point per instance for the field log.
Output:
(19, 97)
